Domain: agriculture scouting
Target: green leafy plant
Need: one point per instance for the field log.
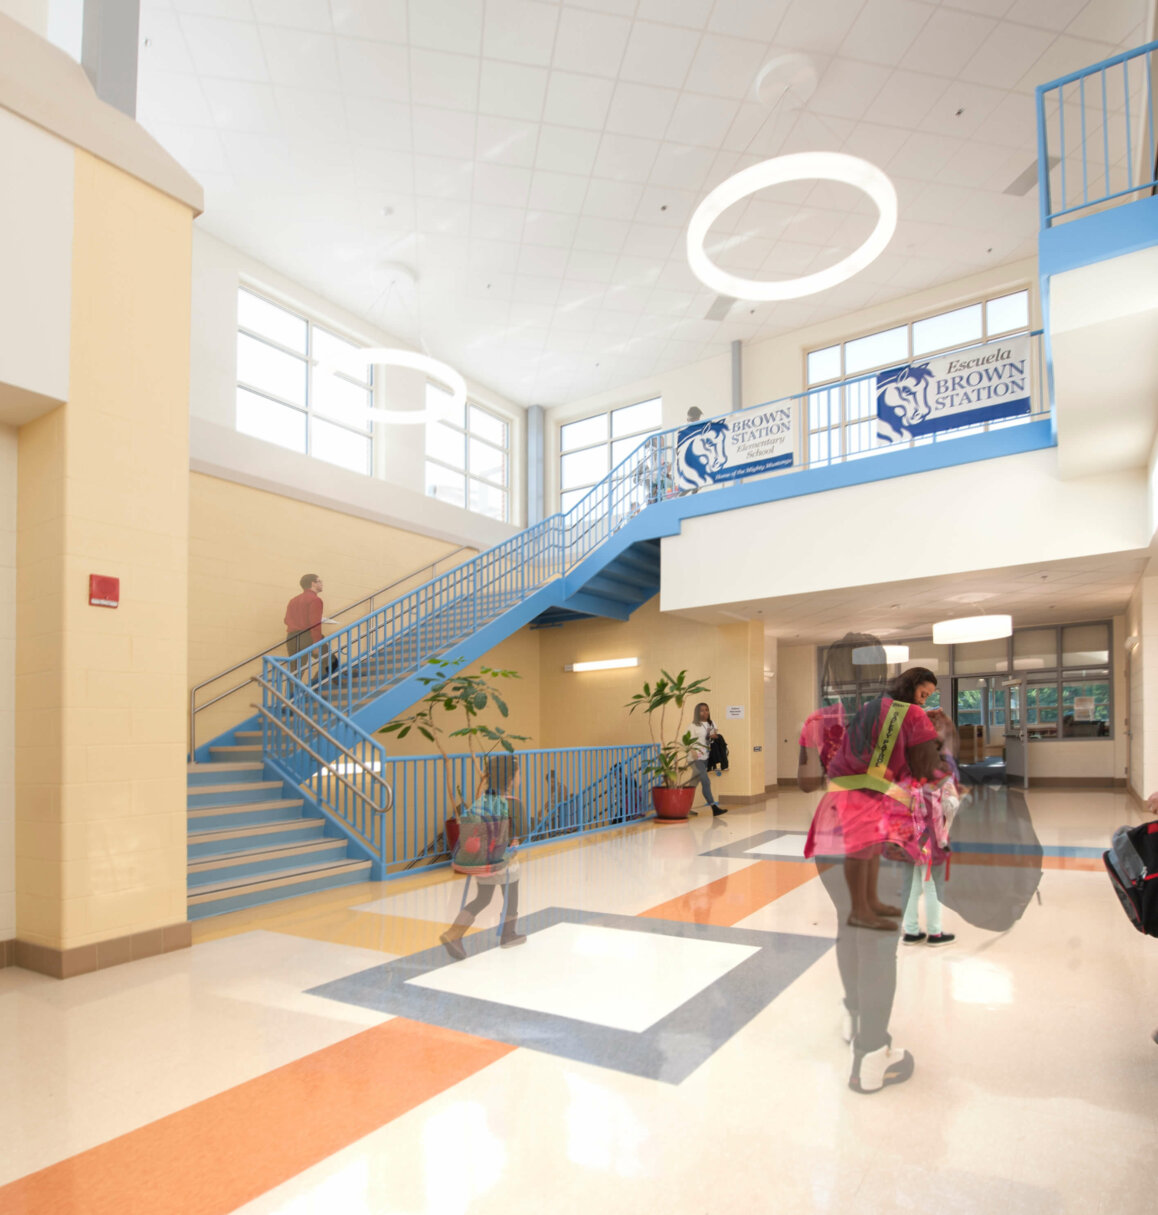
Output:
(454, 696)
(669, 692)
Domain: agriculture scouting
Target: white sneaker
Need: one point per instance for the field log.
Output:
(872, 1071)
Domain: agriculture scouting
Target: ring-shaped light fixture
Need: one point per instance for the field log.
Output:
(799, 166)
(352, 362)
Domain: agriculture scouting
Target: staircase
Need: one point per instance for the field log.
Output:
(251, 840)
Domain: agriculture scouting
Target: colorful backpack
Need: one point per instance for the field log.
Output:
(1132, 863)
(484, 834)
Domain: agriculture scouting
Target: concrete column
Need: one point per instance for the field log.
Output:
(109, 50)
(535, 457)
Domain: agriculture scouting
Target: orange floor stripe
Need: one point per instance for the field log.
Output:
(230, 1149)
(1087, 864)
(728, 900)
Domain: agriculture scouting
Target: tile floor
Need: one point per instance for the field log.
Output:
(668, 1039)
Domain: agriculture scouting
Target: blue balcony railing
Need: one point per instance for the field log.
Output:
(1096, 137)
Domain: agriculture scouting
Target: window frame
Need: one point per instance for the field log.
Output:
(465, 472)
(581, 491)
(856, 430)
(308, 410)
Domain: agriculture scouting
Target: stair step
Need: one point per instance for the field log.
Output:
(214, 835)
(283, 885)
(276, 803)
(235, 752)
(216, 769)
(247, 737)
(264, 852)
(238, 787)
(256, 864)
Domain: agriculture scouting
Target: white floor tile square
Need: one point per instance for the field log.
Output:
(786, 845)
(608, 976)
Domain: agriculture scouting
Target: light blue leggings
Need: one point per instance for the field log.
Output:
(919, 884)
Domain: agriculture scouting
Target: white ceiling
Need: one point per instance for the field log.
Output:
(535, 162)
(1084, 588)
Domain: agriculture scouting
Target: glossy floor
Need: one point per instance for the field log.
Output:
(669, 1038)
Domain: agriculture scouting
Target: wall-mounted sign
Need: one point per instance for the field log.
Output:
(734, 711)
(739, 445)
(984, 384)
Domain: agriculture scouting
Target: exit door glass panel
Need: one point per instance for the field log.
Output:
(1041, 711)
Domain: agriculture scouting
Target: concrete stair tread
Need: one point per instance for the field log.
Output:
(279, 803)
(225, 833)
(265, 852)
(237, 787)
(229, 766)
(285, 877)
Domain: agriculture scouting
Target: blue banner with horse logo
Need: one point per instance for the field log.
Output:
(737, 445)
(986, 384)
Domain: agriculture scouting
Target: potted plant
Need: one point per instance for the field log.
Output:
(453, 695)
(670, 795)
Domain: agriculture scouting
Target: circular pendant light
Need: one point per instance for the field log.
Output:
(354, 362)
(965, 629)
(800, 166)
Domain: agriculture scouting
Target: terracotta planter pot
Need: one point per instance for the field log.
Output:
(672, 803)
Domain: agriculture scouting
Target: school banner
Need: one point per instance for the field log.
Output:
(736, 445)
(985, 384)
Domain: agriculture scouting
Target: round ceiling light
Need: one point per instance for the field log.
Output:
(965, 629)
(354, 362)
(800, 166)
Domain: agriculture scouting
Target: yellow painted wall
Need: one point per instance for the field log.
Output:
(587, 709)
(247, 550)
(100, 754)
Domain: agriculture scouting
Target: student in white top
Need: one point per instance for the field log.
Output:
(703, 731)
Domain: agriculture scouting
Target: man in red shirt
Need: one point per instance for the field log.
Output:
(303, 615)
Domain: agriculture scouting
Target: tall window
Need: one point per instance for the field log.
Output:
(467, 456)
(286, 393)
(590, 448)
(842, 419)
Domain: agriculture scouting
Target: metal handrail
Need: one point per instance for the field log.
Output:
(326, 763)
(195, 708)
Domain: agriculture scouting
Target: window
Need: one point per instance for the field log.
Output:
(590, 448)
(467, 456)
(286, 394)
(842, 418)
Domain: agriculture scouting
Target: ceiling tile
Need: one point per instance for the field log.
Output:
(382, 20)
(692, 14)
(947, 42)
(512, 90)
(1048, 14)
(725, 67)
(922, 156)
(557, 192)
(590, 42)
(962, 109)
(296, 55)
(601, 235)
(702, 121)
(313, 113)
(441, 79)
(623, 8)
(225, 48)
(506, 140)
(299, 14)
(584, 266)
(543, 260)
(904, 95)
(1002, 60)
(658, 54)
(1012, 123)
(442, 215)
(493, 256)
(162, 43)
(1064, 55)
(374, 69)
(885, 29)
(577, 101)
(550, 228)
(501, 185)
(197, 149)
(180, 102)
(681, 166)
(808, 26)
(612, 199)
(442, 177)
(874, 143)
(650, 240)
(447, 25)
(520, 31)
(756, 20)
(988, 8)
(641, 109)
(566, 150)
(847, 88)
(240, 105)
(443, 132)
(379, 123)
(1108, 20)
(625, 157)
(667, 207)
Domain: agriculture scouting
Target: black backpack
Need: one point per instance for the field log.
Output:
(1132, 863)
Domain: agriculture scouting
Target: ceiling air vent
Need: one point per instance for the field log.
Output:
(1024, 182)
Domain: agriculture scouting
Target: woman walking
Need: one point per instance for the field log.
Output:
(703, 730)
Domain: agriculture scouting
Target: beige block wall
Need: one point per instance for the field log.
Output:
(588, 708)
(8, 450)
(247, 550)
(100, 747)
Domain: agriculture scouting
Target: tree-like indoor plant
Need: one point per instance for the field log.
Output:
(454, 696)
(671, 795)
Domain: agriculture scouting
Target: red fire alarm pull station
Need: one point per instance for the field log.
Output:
(103, 591)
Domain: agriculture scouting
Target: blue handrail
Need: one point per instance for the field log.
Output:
(1127, 169)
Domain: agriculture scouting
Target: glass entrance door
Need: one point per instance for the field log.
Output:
(1016, 735)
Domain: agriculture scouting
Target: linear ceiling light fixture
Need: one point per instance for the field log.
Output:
(604, 664)
(354, 362)
(800, 166)
(965, 629)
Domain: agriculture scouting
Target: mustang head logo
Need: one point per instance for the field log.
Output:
(903, 402)
(701, 454)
